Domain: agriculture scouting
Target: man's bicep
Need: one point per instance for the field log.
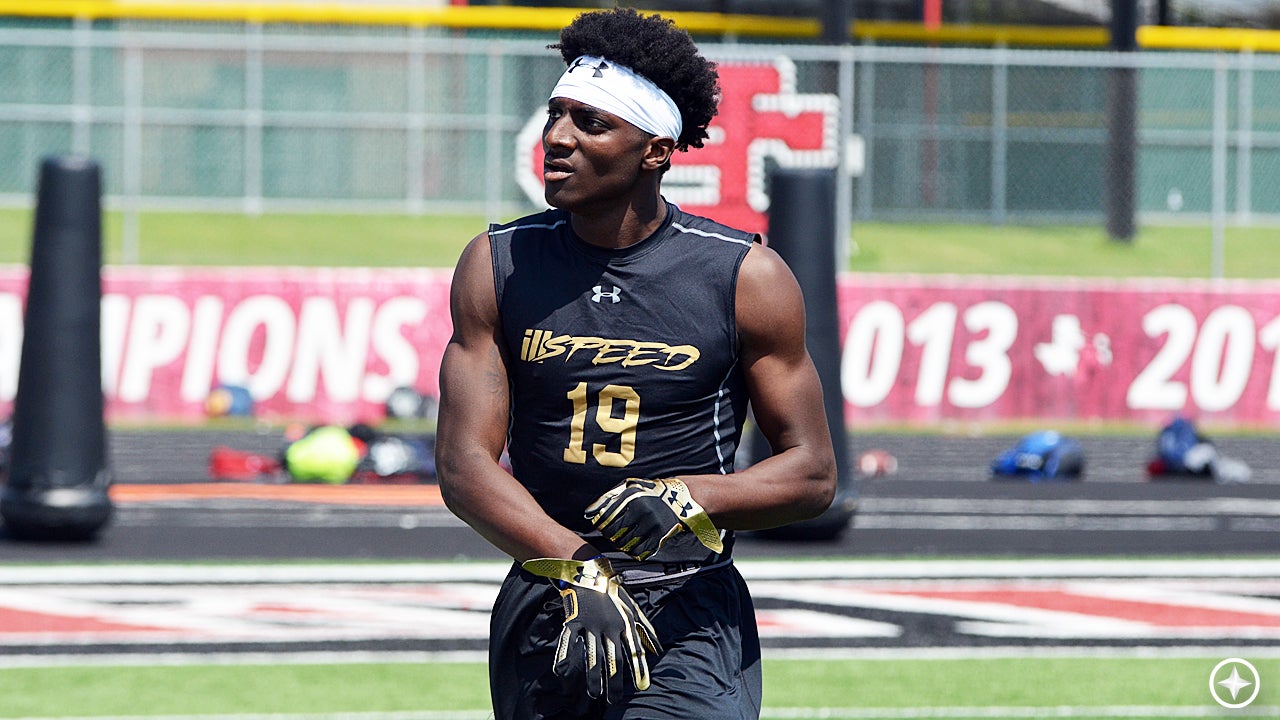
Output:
(473, 397)
(473, 379)
(786, 400)
(786, 394)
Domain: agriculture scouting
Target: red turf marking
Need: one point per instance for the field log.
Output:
(767, 621)
(1152, 613)
(278, 609)
(27, 621)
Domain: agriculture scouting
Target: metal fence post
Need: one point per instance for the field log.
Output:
(1219, 171)
(1244, 133)
(999, 137)
(253, 94)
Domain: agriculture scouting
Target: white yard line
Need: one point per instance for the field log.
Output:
(212, 574)
(364, 657)
(1010, 568)
(491, 571)
(354, 657)
(1198, 508)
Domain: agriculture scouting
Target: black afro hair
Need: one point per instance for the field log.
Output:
(655, 48)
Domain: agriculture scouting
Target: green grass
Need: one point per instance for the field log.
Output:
(1060, 250)
(1047, 682)
(1002, 682)
(224, 689)
(285, 239)
(436, 241)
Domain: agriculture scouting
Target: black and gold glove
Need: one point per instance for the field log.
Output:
(639, 516)
(603, 627)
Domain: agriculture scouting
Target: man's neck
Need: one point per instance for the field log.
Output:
(622, 226)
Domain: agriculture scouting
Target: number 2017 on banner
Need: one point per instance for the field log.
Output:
(1221, 352)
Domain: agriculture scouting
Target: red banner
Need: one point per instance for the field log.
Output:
(319, 344)
(330, 345)
(925, 349)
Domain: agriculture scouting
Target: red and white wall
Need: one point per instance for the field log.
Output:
(923, 349)
(322, 344)
(330, 344)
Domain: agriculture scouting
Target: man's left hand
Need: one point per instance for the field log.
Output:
(640, 516)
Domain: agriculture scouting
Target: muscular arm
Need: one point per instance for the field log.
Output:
(799, 481)
(472, 429)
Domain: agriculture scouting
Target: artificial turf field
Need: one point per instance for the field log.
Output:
(906, 683)
(1113, 683)
(1162, 671)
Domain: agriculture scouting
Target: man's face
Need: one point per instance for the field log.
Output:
(591, 156)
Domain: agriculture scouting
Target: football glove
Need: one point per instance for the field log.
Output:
(603, 627)
(640, 516)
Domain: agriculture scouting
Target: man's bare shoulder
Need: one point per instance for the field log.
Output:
(472, 295)
(474, 261)
(764, 271)
(770, 305)
(478, 245)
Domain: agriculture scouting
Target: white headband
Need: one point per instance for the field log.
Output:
(618, 90)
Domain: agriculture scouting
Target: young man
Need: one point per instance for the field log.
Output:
(611, 345)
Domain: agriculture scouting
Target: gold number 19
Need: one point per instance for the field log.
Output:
(624, 427)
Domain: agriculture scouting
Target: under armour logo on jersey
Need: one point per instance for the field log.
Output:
(598, 68)
(614, 295)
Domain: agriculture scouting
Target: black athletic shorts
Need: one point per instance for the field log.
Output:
(709, 668)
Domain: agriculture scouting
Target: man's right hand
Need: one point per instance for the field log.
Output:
(640, 516)
(603, 627)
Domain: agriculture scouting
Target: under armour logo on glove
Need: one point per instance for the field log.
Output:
(640, 516)
(604, 629)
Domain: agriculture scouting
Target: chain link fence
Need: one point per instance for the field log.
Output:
(253, 118)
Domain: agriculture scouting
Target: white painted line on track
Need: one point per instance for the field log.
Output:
(372, 657)
(1030, 652)
(178, 659)
(272, 573)
(1041, 523)
(1198, 508)
(1009, 568)
(494, 571)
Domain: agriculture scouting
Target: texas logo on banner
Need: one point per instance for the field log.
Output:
(761, 116)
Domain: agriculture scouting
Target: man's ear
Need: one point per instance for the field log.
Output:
(658, 152)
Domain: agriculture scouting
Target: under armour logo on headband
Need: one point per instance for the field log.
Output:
(622, 92)
(582, 61)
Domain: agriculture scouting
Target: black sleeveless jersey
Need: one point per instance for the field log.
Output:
(623, 363)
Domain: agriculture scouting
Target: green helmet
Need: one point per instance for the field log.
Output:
(327, 454)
